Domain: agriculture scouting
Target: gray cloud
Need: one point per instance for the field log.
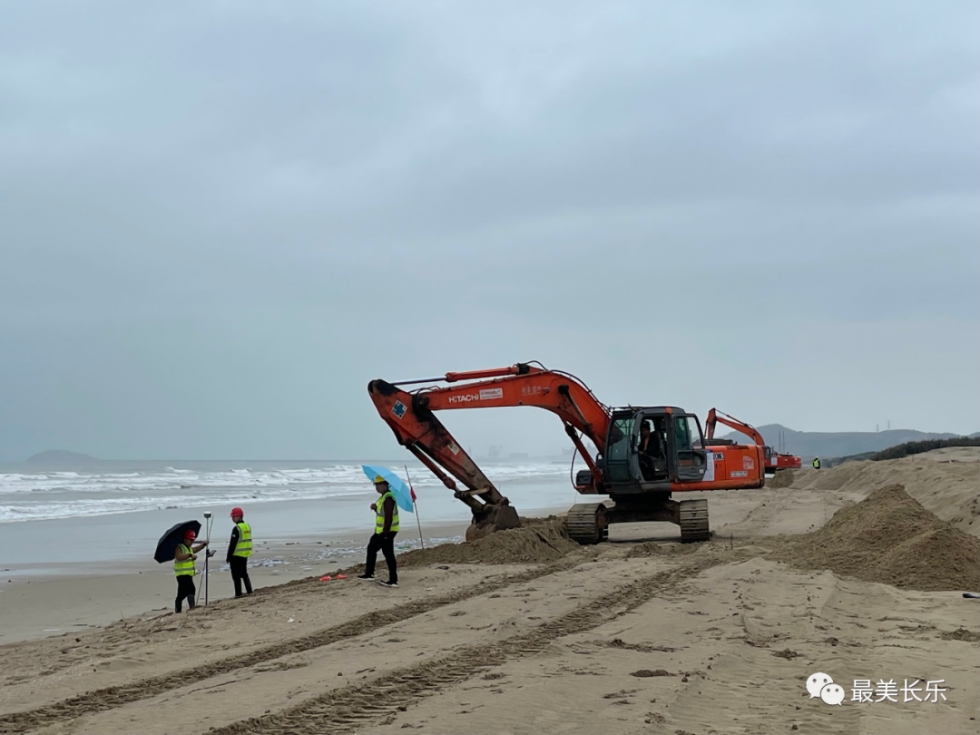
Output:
(219, 222)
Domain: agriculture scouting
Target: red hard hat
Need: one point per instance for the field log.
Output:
(189, 534)
(237, 512)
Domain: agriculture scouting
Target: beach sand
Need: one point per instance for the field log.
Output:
(640, 635)
(47, 598)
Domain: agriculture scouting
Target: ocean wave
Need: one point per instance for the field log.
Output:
(52, 495)
(89, 507)
(328, 476)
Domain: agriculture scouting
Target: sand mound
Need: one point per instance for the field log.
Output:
(889, 537)
(783, 478)
(539, 540)
(945, 484)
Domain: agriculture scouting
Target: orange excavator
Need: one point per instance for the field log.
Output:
(644, 454)
(775, 461)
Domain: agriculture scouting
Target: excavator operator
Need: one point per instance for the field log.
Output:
(653, 456)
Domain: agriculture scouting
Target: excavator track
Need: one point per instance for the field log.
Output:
(586, 524)
(693, 517)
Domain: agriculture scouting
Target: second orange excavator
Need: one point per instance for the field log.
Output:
(645, 455)
(775, 461)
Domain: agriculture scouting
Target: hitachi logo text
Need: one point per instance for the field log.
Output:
(466, 398)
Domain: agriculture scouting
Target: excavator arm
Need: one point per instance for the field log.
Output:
(715, 416)
(411, 417)
(774, 460)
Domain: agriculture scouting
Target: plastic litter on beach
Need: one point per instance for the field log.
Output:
(273, 562)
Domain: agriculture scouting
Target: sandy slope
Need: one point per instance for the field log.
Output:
(945, 481)
(628, 637)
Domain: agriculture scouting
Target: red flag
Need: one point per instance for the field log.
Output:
(412, 490)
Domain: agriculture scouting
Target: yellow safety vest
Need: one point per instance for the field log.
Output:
(185, 568)
(244, 545)
(379, 521)
(816, 464)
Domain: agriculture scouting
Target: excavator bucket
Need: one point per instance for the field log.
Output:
(492, 518)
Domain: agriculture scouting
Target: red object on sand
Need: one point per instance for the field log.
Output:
(341, 576)
(325, 579)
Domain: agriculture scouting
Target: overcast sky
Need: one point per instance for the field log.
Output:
(220, 220)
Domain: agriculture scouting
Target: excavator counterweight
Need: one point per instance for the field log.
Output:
(644, 455)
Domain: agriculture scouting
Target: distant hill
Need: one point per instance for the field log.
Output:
(60, 456)
(810, 444)
(904, 450)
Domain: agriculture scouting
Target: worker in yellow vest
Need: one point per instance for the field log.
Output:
(385, 528)
(816, 463)
(239, 549)
(184, 568)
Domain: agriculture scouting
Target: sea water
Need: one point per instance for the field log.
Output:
(117, 510)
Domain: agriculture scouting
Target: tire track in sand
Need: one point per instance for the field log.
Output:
(377, 701)
(101, 700)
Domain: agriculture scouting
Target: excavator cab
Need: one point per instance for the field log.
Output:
(650, 453)
(650, 448)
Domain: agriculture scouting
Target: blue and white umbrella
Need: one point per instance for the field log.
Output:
(399, 488)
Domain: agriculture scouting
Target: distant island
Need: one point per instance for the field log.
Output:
(59, 456)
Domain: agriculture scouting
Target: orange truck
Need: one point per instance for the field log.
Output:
(644, 455)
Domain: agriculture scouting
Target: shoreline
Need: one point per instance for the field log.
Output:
(110, 537)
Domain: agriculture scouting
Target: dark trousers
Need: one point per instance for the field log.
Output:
(385, 542)
(239, 574)
(185, 588)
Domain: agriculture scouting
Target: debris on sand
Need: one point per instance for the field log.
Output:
(961, 634)
(646, 673)
(538, 540)
(786, 653)
(620, 643)
(890, 538)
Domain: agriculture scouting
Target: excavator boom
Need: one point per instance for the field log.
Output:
(410, 416)
(715, 417)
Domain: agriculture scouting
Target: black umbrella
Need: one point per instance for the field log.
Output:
(168, 543)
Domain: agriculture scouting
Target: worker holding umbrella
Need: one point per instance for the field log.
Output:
(184, 558)
(178, 545)
(393, 493)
